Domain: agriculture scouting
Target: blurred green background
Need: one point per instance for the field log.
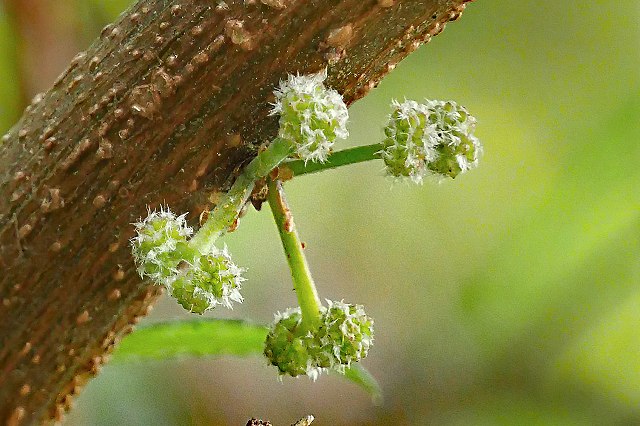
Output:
(508, 296)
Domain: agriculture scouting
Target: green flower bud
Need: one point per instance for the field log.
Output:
(160, 244)
(290, 348)
(311, 116)
(344, 336)
(431, 138)
(346, 333)
(209, 280)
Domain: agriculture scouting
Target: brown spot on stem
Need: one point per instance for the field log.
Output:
(25, 349)
(238, 34)
(340, 37)
(118, 275)
(25, 390)
(83, 317)
(277, 4)
(114, 295)
(99, 201)
(24, 231)
(16, 416)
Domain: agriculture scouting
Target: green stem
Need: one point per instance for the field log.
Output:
(302, 281)
(344, 157)
(229, 206)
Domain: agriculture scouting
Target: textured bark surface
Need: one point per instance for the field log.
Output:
(166, 106)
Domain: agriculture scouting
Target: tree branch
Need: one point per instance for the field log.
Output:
(164, 107)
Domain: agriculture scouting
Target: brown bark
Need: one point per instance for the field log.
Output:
(165, 106)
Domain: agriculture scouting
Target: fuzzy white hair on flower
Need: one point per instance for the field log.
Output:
(157, 247)
(292, 349)
(313, 372)
(312, 117)
(287, 313)
(435, 137)
(211, 279)
(347, 333)
(344, 336)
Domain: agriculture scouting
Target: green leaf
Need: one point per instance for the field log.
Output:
(361, 377)
(213, 337)
(202, 337)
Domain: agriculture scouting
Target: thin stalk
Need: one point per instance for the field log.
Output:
(344, 157)
(302, 281)
(228, 209)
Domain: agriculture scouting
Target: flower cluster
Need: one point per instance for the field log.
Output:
(312, 117)
(344, 335)
(209, 280)
(435, 137)
(347, 331)
(431, 138)
(289, 347)
(199, 281)
(160, 243)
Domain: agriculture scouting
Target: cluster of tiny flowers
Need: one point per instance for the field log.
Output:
(347, 332)
(199, 281)
(160, 243)
(209, 280)
(344, 336)
(290, 348)
(312, 117)
(431, 138)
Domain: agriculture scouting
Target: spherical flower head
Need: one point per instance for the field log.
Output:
(290, 348)
(346, 333)
(312, 117)
(209, 280)
(431, 138)
(160, 244)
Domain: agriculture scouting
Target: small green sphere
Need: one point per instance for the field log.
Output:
(431, 138)
(346, 333)
(159, 245)
(290, 348)
(211, 279)
(312, 117)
